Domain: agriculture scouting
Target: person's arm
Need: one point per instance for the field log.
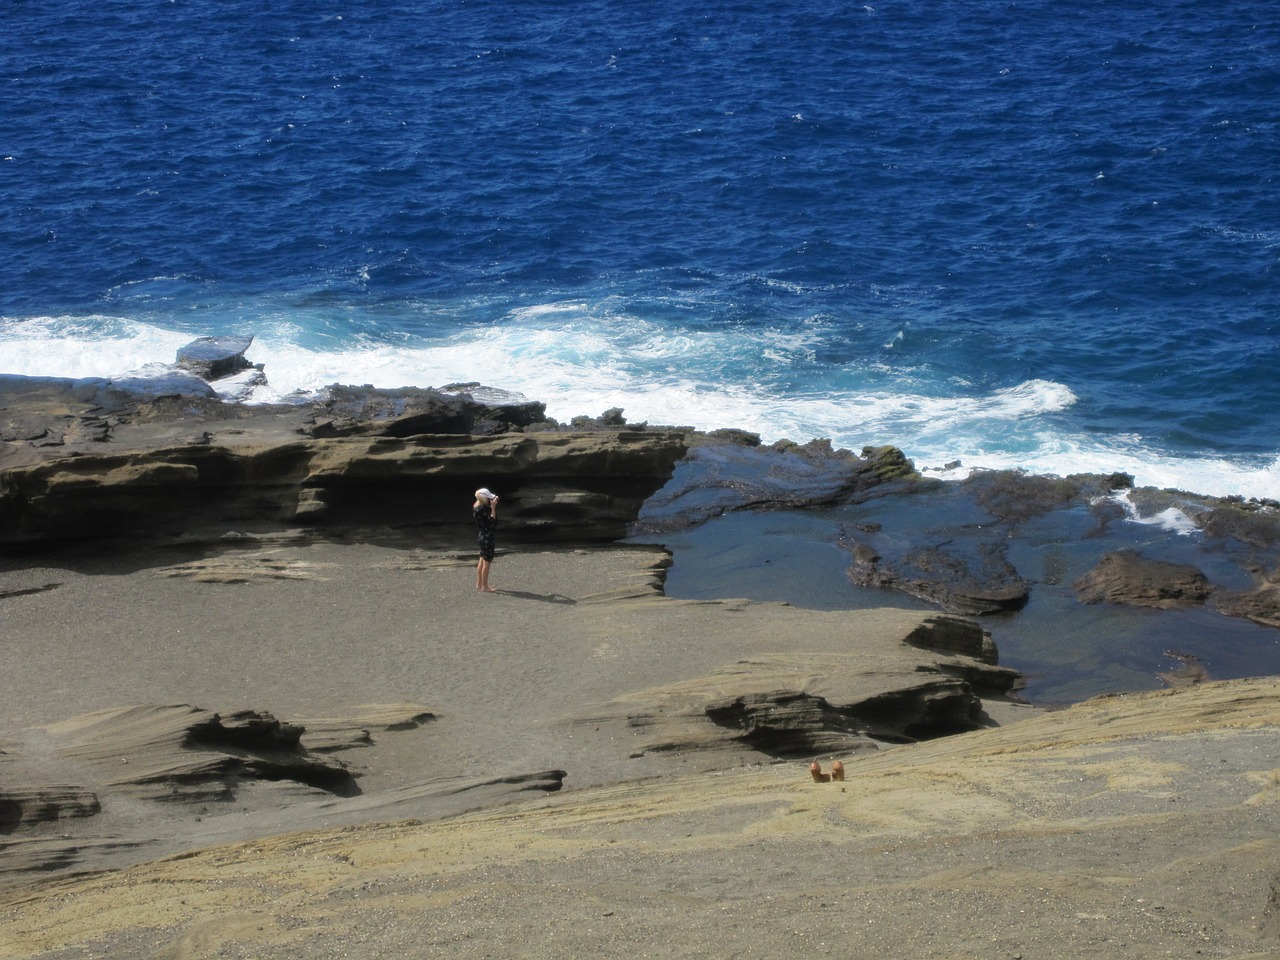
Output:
(493, 508)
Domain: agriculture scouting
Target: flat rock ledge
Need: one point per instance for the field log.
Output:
(82, 460)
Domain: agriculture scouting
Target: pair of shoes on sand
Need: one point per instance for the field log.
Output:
(837, 772)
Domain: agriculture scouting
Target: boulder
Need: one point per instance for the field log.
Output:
(212, 358)
(966, 578)
(1125, 576)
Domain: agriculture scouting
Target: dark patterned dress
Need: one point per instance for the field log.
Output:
(485, 523)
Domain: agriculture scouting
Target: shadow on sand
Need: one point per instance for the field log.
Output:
(544, 597)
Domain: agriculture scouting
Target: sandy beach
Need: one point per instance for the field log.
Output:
(1127, 826)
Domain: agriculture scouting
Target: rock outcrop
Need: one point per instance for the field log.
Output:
(729, 470)
(86, 459)
(1261, 604)
(1130, 578)
(212, 358)
(183, 753)
(555, 486)
(982, 547)
(974, 581)
(802, 704)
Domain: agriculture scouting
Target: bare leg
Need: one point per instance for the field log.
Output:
(837, 770)
(482, 576)
(815, 769)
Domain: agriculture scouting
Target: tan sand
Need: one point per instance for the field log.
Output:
(1140, 826)
(319, 629)
(1076, 834)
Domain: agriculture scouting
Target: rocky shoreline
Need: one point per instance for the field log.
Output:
(169, 460)
(224, 621)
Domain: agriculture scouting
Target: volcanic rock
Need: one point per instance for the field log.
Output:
(800, 704)
(555, 486)
(1125, 576)
(212, 358)
(1260, 604)
(969, 579)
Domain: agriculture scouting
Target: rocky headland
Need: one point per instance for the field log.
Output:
(224, 622)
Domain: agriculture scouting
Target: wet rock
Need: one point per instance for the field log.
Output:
(971, 579)
(1254, 527)
(212, 358)
(1191, 672)
(1125, 576)
(1260, 604)
(723, 474)
(1014, 497)
(168, 384)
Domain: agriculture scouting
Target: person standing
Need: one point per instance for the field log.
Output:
(485, 511)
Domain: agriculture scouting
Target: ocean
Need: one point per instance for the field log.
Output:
(999, 234)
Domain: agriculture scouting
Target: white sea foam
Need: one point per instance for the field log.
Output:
(1171, 519)
(583, 360)
(95, 346)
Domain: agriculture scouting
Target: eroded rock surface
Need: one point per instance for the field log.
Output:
(800, 704)
(212, 358)
(159, 777)
(555, 486)
(1128, 577)
(969, 579)
(184, 753)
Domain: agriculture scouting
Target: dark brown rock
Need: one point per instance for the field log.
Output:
(1261, 604)
(973, 580)
(1254, 526)
(949, 634)
(1126, 576)
(796, 723)
(1015, 497)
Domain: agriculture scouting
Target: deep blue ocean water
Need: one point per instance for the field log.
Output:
(1023, 233)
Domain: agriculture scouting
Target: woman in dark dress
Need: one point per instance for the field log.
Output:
(485, 511)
